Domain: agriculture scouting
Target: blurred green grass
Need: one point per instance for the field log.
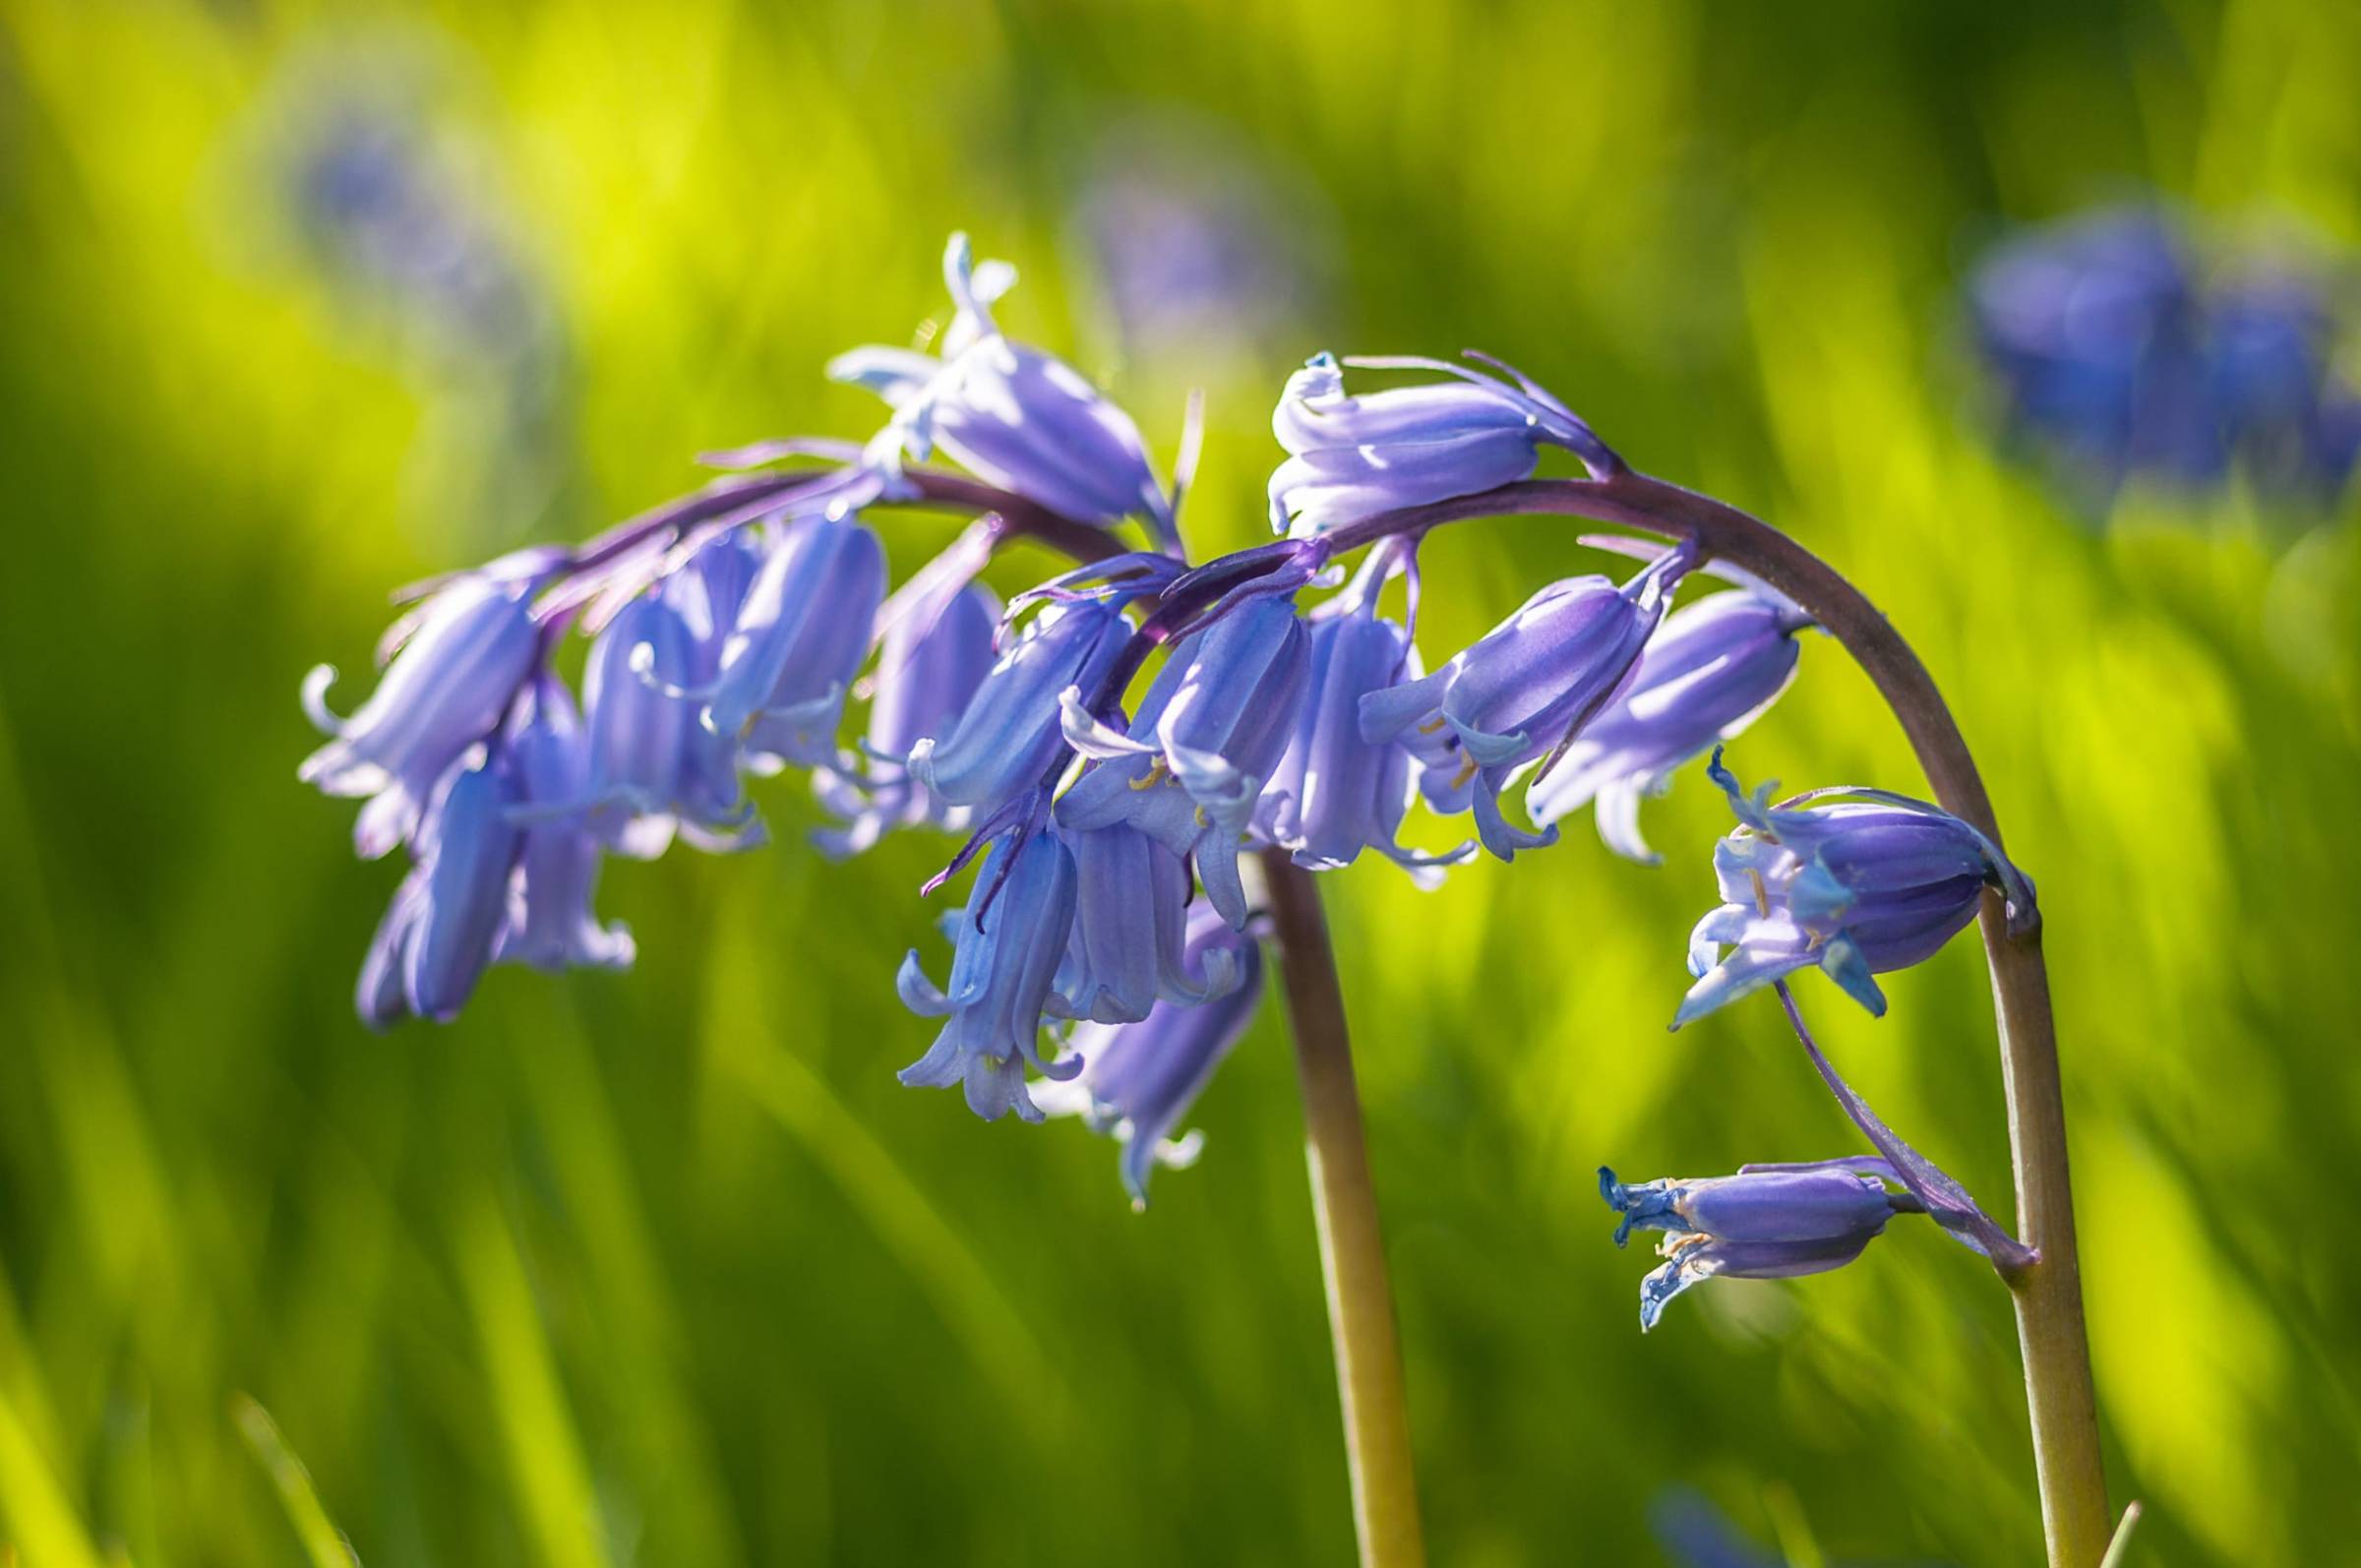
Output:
(665, 1267)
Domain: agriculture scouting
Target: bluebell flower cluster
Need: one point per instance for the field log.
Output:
(2128, 352)
(1104, 961)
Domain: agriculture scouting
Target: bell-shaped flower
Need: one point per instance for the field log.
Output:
(463, 654)
(1335, 794)
(439, 935)
(1139, 1079)
(707, 592)
(1007, 738)
(800, 638)
(1008, 945)
(1711, 670)
(1009, 413)
(550, 924)
(1856, 881)
(640, 724)
(1769, 1222)
(1190, 767)
(1131, 920)
(1353, 456)
(1527, 688)
(930, 662)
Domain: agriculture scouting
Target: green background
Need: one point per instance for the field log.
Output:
(665, 1268)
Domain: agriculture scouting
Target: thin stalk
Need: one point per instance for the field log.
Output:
(1361, 1302)
(2048, 1295)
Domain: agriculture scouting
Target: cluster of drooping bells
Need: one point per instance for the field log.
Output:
(1106, 960)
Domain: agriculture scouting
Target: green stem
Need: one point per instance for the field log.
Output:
(1360, 1304)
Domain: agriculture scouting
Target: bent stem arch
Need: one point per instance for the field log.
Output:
(2048, 1295)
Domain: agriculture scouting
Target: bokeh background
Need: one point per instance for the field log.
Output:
(664, 1267)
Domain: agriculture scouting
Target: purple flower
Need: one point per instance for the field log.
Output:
(1334, 793)
(550, 925)
(1131, 916)
(641, 724)
(439, 935)
(463, 654)
(1709, 672)
(1528, 687)
(1190, 767)
(932, 661)
(801, 635)
(2123, 352)
(1008, 736)
(1769, 1222)
(1139, 1079)
(1356, 457)
(1017, 417)
(1858, 885)
(1004, 966)
(707, 593)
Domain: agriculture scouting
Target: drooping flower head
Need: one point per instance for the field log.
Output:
(1335, 793)
(1767, 1221)
(1352, 456)
(457, 662)
(930, 662)
(801, 635)
(1009, 413)
(1008, 737)
(1138, 1079)
(1131, 920)
(1856, 881)
(1007, 946)
(550, 925)
(1528, 687)
(641, 725)
(439, 936)
(1190, 767)
(1711, 670)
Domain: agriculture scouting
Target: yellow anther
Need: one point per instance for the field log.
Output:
(1156, 774)
(1467, 772)
(1761, 894)
(1431, 726)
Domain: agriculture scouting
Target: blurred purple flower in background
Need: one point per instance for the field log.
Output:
(2123, 348)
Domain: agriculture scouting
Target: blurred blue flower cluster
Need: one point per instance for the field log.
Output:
(2127, 353)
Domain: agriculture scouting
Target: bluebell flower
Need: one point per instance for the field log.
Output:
(550, 925)
(1004, 969)
(1335, 794)
(1132, 918)
(1356, 457)
(1190, 767)
(1769, 1222)
(1856, 881)
(1008, 736)
(1011, 414)
(707, 592)
(801, 635)
(1139, 1079)
(462, 656)
(440, 933)
(2120, 351)
(932, 661)
(641, 724)
(1710, 670)
(1527, 688)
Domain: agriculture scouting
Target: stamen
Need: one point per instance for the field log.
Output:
(1762, 893)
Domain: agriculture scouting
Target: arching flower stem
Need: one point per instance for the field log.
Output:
(2048, 1294)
